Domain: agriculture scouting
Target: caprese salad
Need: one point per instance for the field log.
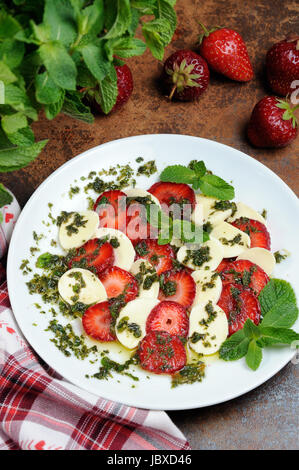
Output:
(131, 274)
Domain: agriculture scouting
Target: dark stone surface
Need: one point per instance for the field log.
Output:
(267, 417)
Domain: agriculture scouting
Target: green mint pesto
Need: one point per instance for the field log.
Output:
(198, 257)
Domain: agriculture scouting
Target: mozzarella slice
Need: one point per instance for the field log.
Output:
(138, 192)
(212, 249)
(206, 212)
(208, 287)
(124, 253)
(176, 242)
(248, 212)
(81, 285)
(138, 267)
(214, 331)
(260, 256)
(134, 313)
(72, 235)
(233, 240)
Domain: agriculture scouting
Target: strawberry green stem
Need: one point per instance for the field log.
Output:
(172, 92)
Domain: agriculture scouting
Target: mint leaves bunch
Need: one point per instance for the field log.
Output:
(197, 175)
(279, 312)
(52, 52)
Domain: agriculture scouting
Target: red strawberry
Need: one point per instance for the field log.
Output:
(239, 304)
(111, 207)
(93, 254)
(161, 353)
(160, 256)
(282, 63)
(226, 52)
(178, 286)
(272, 123)
(97, 322)
(137, 226)
(259, 235)
(173, 193)
(168, 316)
(245, 273)
(124, 85)
(186, 75)
(117, 281)
(224, 264)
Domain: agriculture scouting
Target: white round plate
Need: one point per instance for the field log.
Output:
(255, 185)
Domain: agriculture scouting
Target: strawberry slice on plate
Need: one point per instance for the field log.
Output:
(138, 227)
(259, 235)
(161, 353)
(97, 322)
(173, 193)
(160, 256)
(224, 263)
(168, 316)
(245, 273)
(178, 286)
(118, 282)
(111, 208)
(93, 254)
(239, 304)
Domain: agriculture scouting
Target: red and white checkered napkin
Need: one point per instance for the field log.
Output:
(40, 410)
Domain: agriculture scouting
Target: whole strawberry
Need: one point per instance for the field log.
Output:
(272, 123)
(282, 64)
(226, 53)
(186, 75)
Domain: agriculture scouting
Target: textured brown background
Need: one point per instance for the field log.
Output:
(266, 418)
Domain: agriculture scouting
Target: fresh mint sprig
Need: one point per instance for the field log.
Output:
(56, 55)
(279, 311)
(197, 175)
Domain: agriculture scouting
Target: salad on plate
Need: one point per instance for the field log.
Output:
(177, 275)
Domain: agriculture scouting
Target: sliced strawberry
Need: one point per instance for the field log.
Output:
(224, 263)
(93, 254)
(173, 193)
(138, 227)
(239, 304)
(168, 316)
(246, 273)
(111, 207)
(178, 286)
(97, 322)
(160, 256)
(259, 235)
(118, 282)
(161, 353)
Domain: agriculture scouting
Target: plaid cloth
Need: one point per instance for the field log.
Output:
(39, 410)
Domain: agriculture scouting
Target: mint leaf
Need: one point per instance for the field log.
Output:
(91, 18)
(198, 167)
(235, 347)
(13, 122)
(157, 34)
(254, 355)
(59, 64)
(124, 47)
(5, 197)
(22, 137)
(278, 304)
(14, 158)
(96, 60)
(108, 91)
(178, 174)
(9, 26)
(270, 335)
(251, 330)
(52, 109)
(11, 52)
(213, 186)
(6, 75)
(46, 91)
(74, 107)
(120, 13)
(60, 19)
(165, 10)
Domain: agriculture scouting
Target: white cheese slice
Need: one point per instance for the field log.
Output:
(233, 240)
(153, 291)
(69, 239)
(214, 251)
(135, 312)
(81, 285)
(260, 256)
(248, 212)
(214, 332)
(124, 253)
(208, 287)
(205, 211)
